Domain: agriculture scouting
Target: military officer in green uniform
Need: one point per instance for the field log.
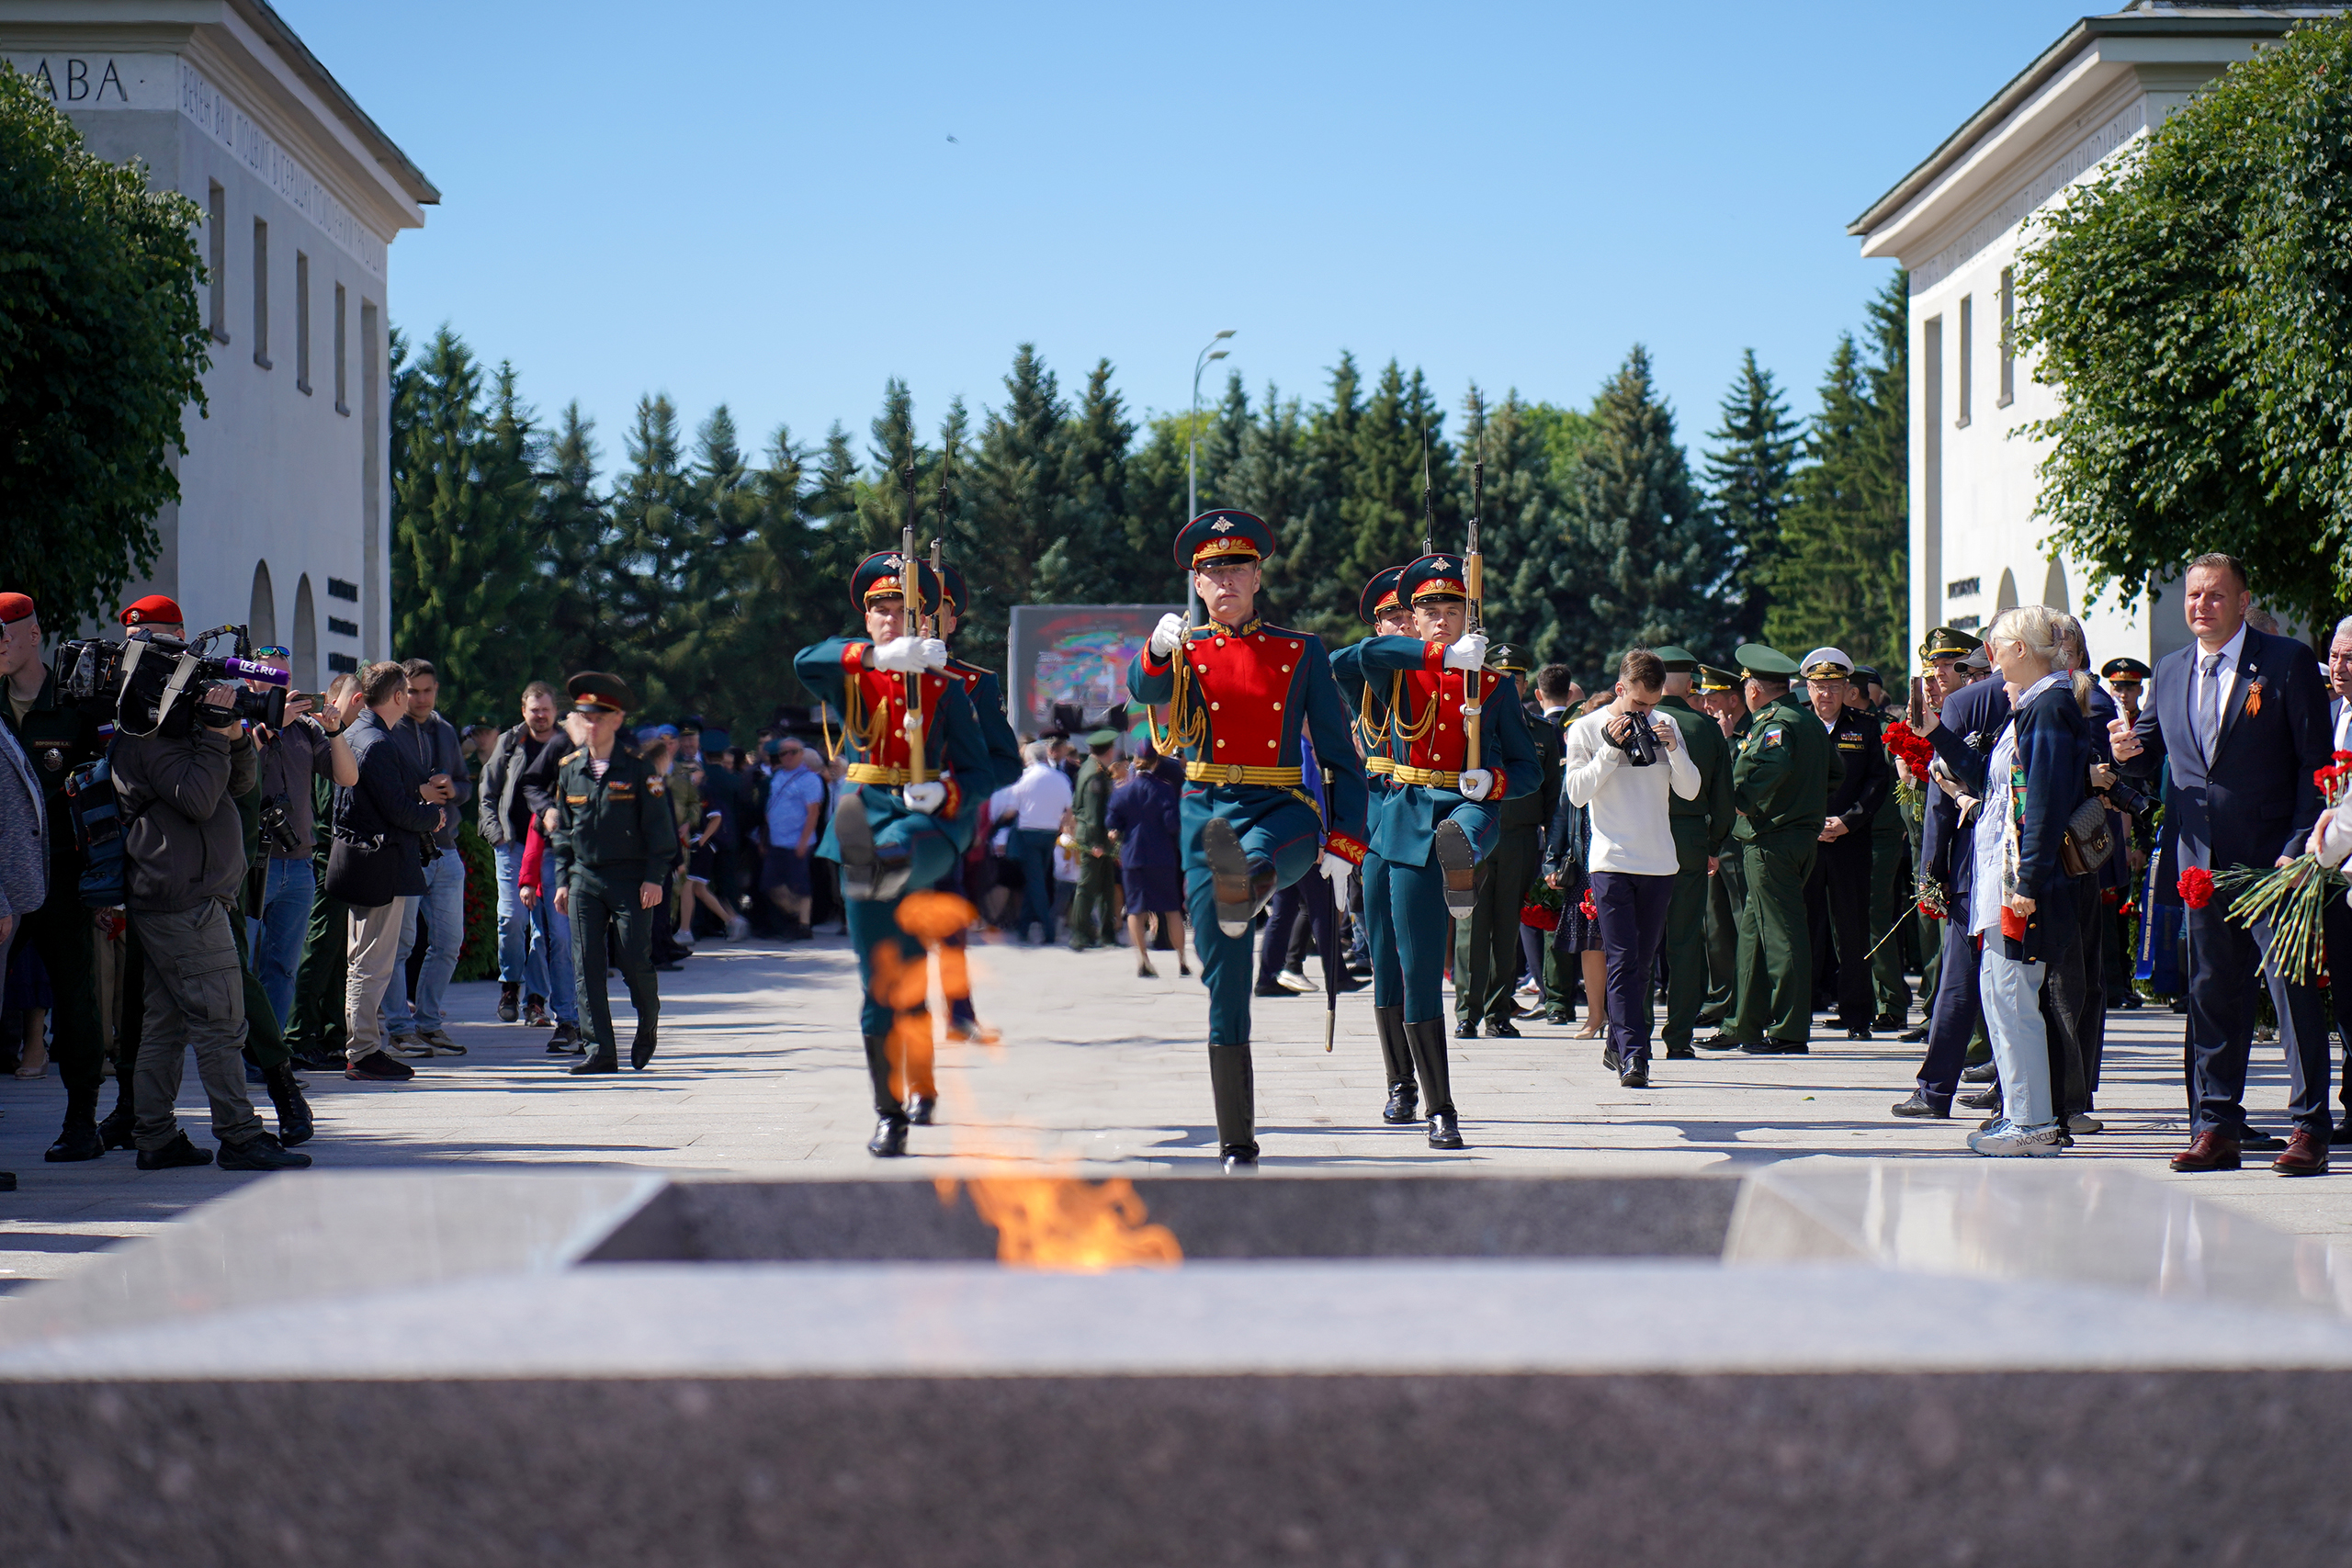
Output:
(1485, 946)
(613, 845)
(1890, 872)
(1718, 692)
(56, 739)
(1091, 921)
(1781, 782)
(1701, 835)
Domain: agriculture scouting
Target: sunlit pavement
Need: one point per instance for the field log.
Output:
(761, 1072)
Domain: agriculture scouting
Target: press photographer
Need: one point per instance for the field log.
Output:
(179, 757)
(308, 745)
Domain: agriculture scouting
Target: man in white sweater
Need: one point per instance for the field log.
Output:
(1620, 763)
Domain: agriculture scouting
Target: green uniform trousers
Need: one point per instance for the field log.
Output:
(1685, 946)
(315, 1027)
(1485, 946)
(1090, 921)
(1726, 907)
(1775, 940)
(602, 897)
(1889, 898)
(61, 931)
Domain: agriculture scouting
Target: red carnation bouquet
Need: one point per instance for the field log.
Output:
(1541, 910)
(2291, 897)
(1916, 753)
(2196, 886)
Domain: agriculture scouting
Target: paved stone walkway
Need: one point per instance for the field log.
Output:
(761, 1072)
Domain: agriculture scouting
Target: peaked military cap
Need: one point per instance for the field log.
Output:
(1948, 642)
(592, 689)
(2123, 672)
(959, 592)
(1827, 664)
(882, 575)
(1678, 660)
(1102, 739)
(1439, 576)
(1756, 659)
(1866, 676)
(1710, 679)
(1221, 535)
(1380, 595)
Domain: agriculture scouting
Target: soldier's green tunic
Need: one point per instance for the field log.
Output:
(1090, 904)
(1701, 827)
(611, 835)
(1727, 911)
(1780, 783)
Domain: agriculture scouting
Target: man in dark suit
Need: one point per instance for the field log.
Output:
(1962, 734)
(2339, 915)
(2242, 716)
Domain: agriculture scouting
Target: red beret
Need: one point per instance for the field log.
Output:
(153, 610)
(14, 608)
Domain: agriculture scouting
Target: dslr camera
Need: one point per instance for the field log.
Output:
(155, 685)
(1640, 744)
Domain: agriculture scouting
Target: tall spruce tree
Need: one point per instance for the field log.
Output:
(655, 529)
(1520, 516)
(1750, 472)
(1100, 556)
(1382, 504)
(568, 527)
(1019, 499)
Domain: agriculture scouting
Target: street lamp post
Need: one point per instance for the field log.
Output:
(1210, 354)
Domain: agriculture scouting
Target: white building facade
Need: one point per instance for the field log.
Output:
(284, 516)
(1956, 222)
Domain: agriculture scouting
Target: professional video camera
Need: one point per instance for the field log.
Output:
(139, 686)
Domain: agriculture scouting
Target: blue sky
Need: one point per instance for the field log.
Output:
(759, 204)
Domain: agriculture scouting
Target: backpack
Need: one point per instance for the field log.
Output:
(97, 832)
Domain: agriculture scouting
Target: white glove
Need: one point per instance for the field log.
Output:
(910, 655)
(1475, 782)
(927, 797)
(1336, 867)
(1469, 653)
(1167, 634)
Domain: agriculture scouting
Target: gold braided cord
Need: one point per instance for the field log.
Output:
(1412, 731)
(857, 724)
(1188, 725)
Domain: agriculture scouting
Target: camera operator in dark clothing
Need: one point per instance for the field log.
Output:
(306, 748)
(184, 848)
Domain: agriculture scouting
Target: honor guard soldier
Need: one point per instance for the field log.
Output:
(1781, 780)
(1701, 827)
(1719, 699)
(1250, 708)
(1838, 894)
(1460, 748)
(984, 690)
(1382, 607)
(917, 782)
(613, 845)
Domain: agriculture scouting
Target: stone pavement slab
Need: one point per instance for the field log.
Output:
(761, 1073)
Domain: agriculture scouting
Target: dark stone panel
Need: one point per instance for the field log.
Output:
(1648, 1217)
(1783, 1471)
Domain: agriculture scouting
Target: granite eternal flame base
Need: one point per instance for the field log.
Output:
(1831, 1362)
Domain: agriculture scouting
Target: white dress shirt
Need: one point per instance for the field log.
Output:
(2227, 675)
(1040, 795)
(1630, 832)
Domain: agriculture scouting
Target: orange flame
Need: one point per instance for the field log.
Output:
(1062, 1224)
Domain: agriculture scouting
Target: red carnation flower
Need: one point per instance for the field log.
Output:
(1932, 914)
(1589, 912)
(2195, 888)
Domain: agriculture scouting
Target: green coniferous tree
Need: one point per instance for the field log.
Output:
(1749, 478)
(568, 527)
(1100, 557)
(655, 524)
(1020, 499)
(1520, 517)
(1381, 509)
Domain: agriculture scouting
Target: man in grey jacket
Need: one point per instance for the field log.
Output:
(185, 857)
(413, 1026)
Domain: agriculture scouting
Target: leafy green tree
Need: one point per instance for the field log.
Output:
(2192, 303)
(463, 568)
(102, 349)
(1749, 473)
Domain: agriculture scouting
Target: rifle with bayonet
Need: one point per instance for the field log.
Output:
(910, 581)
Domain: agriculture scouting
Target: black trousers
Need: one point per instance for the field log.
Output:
(605, 900)
(1954, 1015)
(1289, 938)
(2224, 959)
(2337, 926)
(1632, 926)
(1838, 907)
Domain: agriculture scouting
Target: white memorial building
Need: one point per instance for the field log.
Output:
(284, 516)
(1955, 223)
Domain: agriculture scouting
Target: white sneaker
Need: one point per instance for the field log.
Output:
(738, 929)
(2004, 1137)
(1292, 980)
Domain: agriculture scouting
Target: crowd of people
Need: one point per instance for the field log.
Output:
(1704, 858)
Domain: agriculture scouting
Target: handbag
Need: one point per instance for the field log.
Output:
(361, 873)
(2087, 843)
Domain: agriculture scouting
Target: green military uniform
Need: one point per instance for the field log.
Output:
(1702, 830)
(1780, 783)
(612, 835)
(1727, 889)
(1090, 922)
(1485, 946)
(57, 738)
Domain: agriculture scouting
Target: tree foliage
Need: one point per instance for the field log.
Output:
(101, 350)
(2194, 302)
(1750, 471)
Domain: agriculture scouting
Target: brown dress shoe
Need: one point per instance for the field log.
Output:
(2306, 1154)
(2210, 1150)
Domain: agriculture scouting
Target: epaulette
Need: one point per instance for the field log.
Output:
(567, 757)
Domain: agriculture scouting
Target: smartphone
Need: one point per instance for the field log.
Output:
(1917, 712)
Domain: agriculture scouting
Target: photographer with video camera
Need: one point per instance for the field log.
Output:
(180, 757)
(384, 830)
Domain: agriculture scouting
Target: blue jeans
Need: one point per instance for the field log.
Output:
(548, 970)
(443, 904)
(277, 937)
(514, 920)
(1036, 848)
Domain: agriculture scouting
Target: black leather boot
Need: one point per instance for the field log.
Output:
(1428, 1041)
(641, 1048)
(604, 1059)
(294, 1124)
(1396, 1060)
(115, 1131)
(889, 1140)
(1234, 1087)
(878, 1071)
(79, 1139)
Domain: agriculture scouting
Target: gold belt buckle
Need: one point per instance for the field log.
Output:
(1233, 774)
